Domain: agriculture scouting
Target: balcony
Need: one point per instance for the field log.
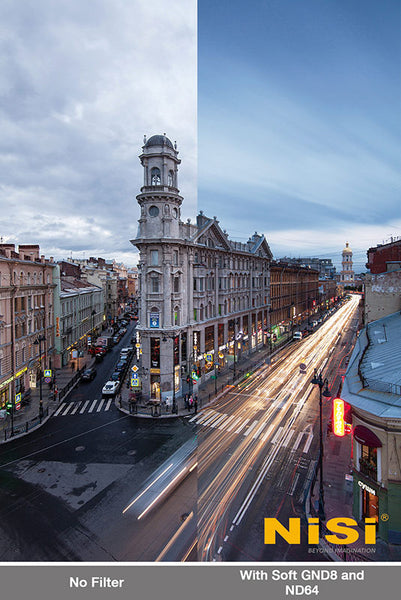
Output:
(368, 468)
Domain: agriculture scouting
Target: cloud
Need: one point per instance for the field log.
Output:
(81, 83)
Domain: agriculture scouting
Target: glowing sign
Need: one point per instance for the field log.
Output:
(338, 417)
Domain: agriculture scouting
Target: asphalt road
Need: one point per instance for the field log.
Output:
(63, 487)
(259, 446)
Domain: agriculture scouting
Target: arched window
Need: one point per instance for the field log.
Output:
(171, 178)
(176, 316)
(155, 176)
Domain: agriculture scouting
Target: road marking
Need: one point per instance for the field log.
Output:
(258, 431)
(60, 408)
(219, 421)
(76, 408)
(278, 433)
(220, 549)
(294, 485)
(84, 407)
(268, 432)
(288, 437)
(215, 416)
(205, 416)
(193, 418)
(102, 401)
(226, 538)
(237, 420)
(108, 404)
(241, 427)
(69, 406)
(308, 443)
(298, 440)
(223, 425)
(92, 406)
(248, 431)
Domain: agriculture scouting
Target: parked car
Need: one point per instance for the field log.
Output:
(110, 388)
(89, 374)
(116, 376)
(121, 365)
(297, 336)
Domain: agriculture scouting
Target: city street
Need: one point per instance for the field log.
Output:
(258, 447)
(63, 487)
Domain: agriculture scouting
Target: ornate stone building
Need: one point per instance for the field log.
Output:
(347, 272)
(199, 290)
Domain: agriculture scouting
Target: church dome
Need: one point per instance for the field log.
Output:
(159, 140)
(347, 249)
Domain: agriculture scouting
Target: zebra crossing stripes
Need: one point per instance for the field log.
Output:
(84, 407)
(73, 408)
(92, 406)
(256, 429)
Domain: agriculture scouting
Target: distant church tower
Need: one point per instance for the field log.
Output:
(347, 273)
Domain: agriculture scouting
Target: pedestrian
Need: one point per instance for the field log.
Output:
(72, 366)
(186, 400)
(191, 400)
(120, 400)
(196, 404)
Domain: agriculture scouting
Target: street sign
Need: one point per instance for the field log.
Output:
(48, 379)
(134, 382)
(47, 373)
(194, 376)
(209, 358)
(17, 398)
(135, 368)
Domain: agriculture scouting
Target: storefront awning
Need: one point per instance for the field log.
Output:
(364, 436)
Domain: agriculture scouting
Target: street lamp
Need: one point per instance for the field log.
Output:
(39, 341)
(322, 383)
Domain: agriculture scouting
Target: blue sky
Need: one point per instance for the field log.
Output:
(299, 122)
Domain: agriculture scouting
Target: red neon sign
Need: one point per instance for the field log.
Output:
(338, 417)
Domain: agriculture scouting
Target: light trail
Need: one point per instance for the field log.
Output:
(222, 475)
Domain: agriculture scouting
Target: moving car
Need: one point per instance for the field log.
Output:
(110, 388)
(297, 336)
(89, 374)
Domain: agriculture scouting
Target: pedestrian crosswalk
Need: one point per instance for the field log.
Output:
(72, 408)
(255, 429)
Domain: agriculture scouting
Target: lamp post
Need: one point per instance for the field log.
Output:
(39, 341)
(322, 383)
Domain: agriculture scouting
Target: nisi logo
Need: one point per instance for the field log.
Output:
(345, 526)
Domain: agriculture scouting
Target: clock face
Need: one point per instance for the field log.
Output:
(153, 211)
(175, 213)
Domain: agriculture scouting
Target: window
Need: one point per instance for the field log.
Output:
(154, 284)
(153, 211)
(176, 284)
(175, 258)
(155, 176)
(154, 257)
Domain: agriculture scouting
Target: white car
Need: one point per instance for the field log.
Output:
(110, 388)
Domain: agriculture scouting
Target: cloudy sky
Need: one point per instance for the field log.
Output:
(80, 84)
(299, 122)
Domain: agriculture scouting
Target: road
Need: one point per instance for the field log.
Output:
(258, 447)
(63, 487)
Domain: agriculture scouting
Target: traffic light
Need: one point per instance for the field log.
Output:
(188, 379)
(198, 371)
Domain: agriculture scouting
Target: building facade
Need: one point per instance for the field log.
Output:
(372, 387)
(347, 271)
(204, 298)
(26, 320)
(294, 293)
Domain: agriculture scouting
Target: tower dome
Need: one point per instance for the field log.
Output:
(347, 249)
(158, 140)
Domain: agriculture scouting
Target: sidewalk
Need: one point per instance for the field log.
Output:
(206, 392)
(28, 418)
